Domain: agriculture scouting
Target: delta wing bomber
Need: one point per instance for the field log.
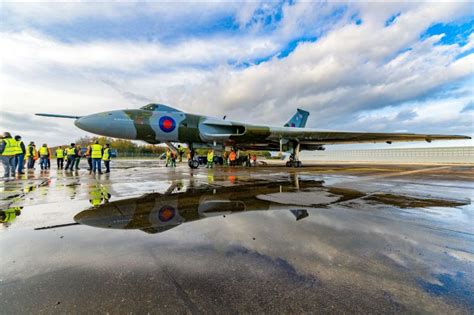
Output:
(158, 123)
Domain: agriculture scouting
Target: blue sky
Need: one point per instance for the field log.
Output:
(354, 66)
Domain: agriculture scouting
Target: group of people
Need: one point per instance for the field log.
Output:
(229, 158)
(15, 154)
(173, 155)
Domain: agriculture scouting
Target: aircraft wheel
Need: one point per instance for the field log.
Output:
(288, 164)
(299, 164)
(193, 164)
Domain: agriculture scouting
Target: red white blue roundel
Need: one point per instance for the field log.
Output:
(167, 124)
(166, 213)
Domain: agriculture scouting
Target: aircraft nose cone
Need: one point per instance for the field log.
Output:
(97, 123)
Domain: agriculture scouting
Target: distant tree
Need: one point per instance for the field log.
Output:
(122, 146)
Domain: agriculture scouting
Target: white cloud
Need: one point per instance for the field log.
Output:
(350, 69)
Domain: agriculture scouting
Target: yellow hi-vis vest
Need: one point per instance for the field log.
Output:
(27, 154)
(59, 153)
(106, 156)
(44, 151)
(10, 147)
(18, 149)
(71, 151)
(210, 157)
(96, 151)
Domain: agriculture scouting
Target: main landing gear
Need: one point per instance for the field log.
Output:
(294, 160)
(294, 164)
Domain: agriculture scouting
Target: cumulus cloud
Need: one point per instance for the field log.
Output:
(349, 67)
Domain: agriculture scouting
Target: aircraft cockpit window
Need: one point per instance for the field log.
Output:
(150, 107)
(159, 107)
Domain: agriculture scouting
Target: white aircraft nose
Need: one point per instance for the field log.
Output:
(96, 123)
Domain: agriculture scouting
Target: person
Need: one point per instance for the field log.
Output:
(31, 155)
(50, 154)
(20, 156)
(60, 157)
(225, 156)
(8, 149)
(88, 157)
(173, 158)
(96, 155)
(77, 160)
(232, 158)
(181, 152)
(254, 160)
(168, 157)
(106, 157)
(44, 156)
(210, 158)
(71, 156)
(248, 160)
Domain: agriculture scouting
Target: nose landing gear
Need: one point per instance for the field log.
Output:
(193, 163)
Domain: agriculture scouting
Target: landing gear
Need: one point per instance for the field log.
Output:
(193, 164)
(193, 161)
(294, 157)
(294, 163)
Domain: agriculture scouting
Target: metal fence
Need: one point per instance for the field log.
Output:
(408, 155)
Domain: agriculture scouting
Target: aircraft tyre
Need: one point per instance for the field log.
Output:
(288, 164)
(193, 164)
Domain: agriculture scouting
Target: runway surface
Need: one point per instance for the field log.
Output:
(329, 238)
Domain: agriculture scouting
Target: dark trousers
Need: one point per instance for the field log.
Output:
(107, 166)
(89, 161)
(44, 162)
(70, 162)
(20, 162)
(31, 162)
(77, 161)
(60, 163)
(8, 165)
(97, 165)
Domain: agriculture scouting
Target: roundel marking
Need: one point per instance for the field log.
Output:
(167, 124)
(166, 213)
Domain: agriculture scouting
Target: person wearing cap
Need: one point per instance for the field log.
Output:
(8, 149)
(60, 157)
(106, 157)
(71, 156)
(20, 155)
(44, 156)
(96, 154)
(30, 155)
(78, 157)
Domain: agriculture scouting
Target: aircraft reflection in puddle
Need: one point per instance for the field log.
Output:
(155, 213)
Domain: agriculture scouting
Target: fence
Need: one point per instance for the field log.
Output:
(408, 155)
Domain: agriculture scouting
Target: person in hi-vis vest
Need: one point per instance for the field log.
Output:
(8, 149)
(44, 156)
(60, 157)
(71, 157)
(106, 157)
(96, 154)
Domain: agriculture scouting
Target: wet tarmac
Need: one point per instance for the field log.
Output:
(328, 238)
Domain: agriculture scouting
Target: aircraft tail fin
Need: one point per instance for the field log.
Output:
(299, 119)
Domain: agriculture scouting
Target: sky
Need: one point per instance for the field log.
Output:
(377, 67)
